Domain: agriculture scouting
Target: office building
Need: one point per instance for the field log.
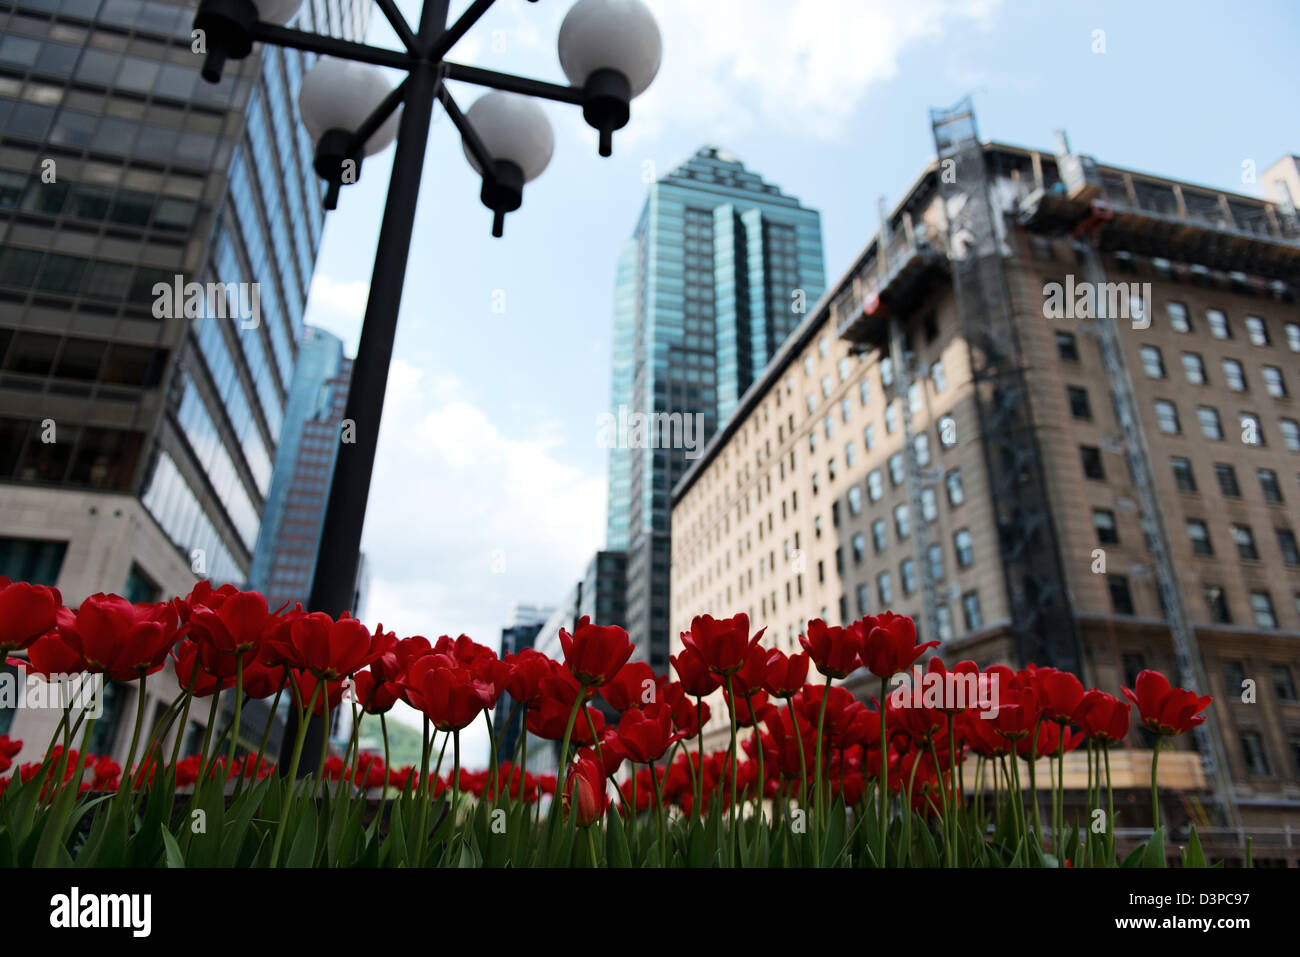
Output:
(157, 240)
(720, 268)
(1049, 412)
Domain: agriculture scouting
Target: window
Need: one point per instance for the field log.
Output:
(884, 589)
(1092, 467)
(1103, 520)
(1216, 603)
(864, 600)
(943, 615)
(1183, 476)
(1245, 539)
(964, 547)
(812, 403)
(1234, 676)
(32, 560)
(902, 524)
(1227, 477)
(907, 575)
(817, 527)
(1078, 399)
(934, 558)
(879, 537)
(1256, 331)
(886, 372)
(869, 437)
(875, 485)
(826, 387)
(937, 377)
(1252, 433)
(1067, 347)
(1120, 597)
(844, 365)
(1292, 336)
(1283, 683)
(830, 471)
(1178, 317)
(812, 443)
(1274, 384)
(855, 499)
(844, 410)
(956, 491)
(826, 423)
(1291, 434)
(1200, 536)
(1252, 753)
(859, 548)
(1218, 323)
(816, 483)
(864, 391)
(1262, 607)
(929, 504)
(1194, 368)
(921, 446)
(1167, 417)
(848, 454)
(891, 418)
(896, 468)
(1269, 486)
(970, 606)
(1286, 544)
(808, 365)
(1152, 362)
(947, 431)
(1234, 376)
(1211, 428)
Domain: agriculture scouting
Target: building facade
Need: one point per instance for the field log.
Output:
(720, 269)
(157, 240)
(895, 452)
(284, 562)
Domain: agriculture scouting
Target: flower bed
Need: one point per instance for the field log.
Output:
(811, 775)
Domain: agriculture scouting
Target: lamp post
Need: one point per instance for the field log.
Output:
(609, 51)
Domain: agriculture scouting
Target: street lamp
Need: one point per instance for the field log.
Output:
(609, 50)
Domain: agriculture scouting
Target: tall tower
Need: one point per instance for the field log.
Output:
(721, 268)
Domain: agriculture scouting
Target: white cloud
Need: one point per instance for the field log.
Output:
(338, 305)
(732, 65)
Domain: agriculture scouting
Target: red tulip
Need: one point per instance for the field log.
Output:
(635, 686)
(445, 692)
(122, 640)
(692, 672)
(1166, 710)
(595, 653)
(26, 613)
(584, 792)
(888, 644)
(303, 686)
(374, 696)
(1102, 716)
(645, 736)
(1059, 694)
(333, 649)
(528, 669)
(688, 715)
(833, 650)
(783, 675)
(721, 644)
(190, 674)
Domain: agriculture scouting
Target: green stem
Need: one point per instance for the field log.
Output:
(568, 733)
(820, 823)
(1110, 805)
(293, 772)
(1060, 792)
(803, 761)
(1155, 795)
(1033, 780)
(731, 710)
(239, 710)
(660, 821)
(884, 772)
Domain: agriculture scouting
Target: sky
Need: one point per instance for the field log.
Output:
(489, 485)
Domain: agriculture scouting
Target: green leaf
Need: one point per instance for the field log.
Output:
(616, 849)
(1193, 853)
(1155, 850)
(173, 850)
(302, 850)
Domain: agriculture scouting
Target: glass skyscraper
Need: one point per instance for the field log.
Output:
(721, 268)
(285, 559)
(157, 241)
